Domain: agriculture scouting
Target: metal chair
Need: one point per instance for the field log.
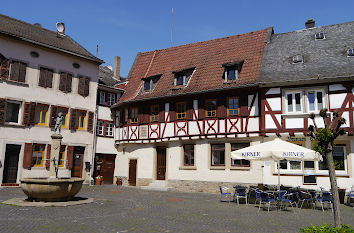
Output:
(265, 198)
(350, 195)
(224, 192)
(305, 196)
(326, 197)
(284, 198)
(240, 192)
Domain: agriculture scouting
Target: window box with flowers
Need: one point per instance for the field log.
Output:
(99, 180)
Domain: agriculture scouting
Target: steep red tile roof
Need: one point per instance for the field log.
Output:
(206, 56)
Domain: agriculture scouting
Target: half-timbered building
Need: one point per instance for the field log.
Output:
(43, 73)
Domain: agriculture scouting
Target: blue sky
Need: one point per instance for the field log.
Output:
(125, 28)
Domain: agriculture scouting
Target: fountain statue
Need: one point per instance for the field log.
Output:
(53, 188)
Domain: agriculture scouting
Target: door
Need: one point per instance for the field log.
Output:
(107, 168)
(161, 163)
(132, 172)
(78, 158)
(12, 155)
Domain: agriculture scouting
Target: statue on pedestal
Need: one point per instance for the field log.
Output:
(58, 121)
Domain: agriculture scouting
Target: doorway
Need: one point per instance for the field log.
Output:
(161, 163)
(132, 172)
(12, 155)
(78, 159)
(104, 166)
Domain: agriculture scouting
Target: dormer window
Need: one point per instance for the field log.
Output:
(182, 77)
(320, 36)
(232, 71)
(350, 52)
(150, 83)
(297, 59)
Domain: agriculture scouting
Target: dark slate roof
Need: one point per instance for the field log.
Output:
(44, 37)
(105, 76)
(322, 58)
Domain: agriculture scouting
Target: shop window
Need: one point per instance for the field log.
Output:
(38, 155)
(210, 106)
(239, 162)
(188, 155)
(218, 154)
(41, 114)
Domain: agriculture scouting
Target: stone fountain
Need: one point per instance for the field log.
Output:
(52, 189)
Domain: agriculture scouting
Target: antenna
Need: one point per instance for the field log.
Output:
(172, 30)
(60, 27)
(97, 51)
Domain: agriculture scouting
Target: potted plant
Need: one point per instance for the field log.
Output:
(98, 180)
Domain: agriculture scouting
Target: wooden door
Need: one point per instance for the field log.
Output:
(132, 172)
(12, 155)
(161, 163)
(78, 158)
(107, 169)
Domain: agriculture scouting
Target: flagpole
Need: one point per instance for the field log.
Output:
(172, 30)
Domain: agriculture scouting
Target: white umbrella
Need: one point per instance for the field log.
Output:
(276, 150)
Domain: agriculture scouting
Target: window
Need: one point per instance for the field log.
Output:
(45, 77)
(315, 100)
(210, 108)
(233, 108)
(126, 115)
(290, 165)
(102, 98)
(41, 114)
(99, 129)
(294, 102)
(84, 86)
(64, 111)
(13, 111)
(182, 77)
(180, 80)
(80, 119)
(147, 85)
(65, 82)
(117, 118)
(109, 129)
(297, 59)
(150, 83)
(181, 110)
(188, 155)
(111, 99)
(320, 36)
(339, 159)
(350, 52)
(218, 155)
(38, 155)
(154, 113)
(232, 71)
(61, 156)
(18, 71)
(239, 162)
(134, 115)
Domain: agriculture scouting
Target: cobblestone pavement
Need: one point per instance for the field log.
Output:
(123, 209)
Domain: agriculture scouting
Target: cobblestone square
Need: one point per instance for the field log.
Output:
(123, 209)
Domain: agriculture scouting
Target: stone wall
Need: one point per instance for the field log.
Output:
(139, 181)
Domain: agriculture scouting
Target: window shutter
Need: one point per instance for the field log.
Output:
(53, 115)
(69, 78)
(201, 109)
(22, 76)
(81, 86)
(172, 111)
(14, 71)
(90, 121)
(190, 110)
(86, 86)
(244, 105)
(32, 115)
(47, 162)
(70, 155)
(72, 123)
(4, 69)
(42, 78)
(49, 78)
(26, 113)
(161, 112)
(2, 111)
(62, 83)
(221, 110)
(27, 156)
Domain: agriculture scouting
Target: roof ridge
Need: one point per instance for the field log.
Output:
(81, 46)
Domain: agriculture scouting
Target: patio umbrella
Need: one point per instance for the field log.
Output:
(276, 150)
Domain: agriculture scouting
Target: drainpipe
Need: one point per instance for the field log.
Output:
(93, 147)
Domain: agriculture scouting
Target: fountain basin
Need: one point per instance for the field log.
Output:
(55, 189)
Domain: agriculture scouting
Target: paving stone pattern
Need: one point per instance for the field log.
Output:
(125, 209)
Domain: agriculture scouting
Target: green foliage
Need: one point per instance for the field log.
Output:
(325, 228)
(323, 138)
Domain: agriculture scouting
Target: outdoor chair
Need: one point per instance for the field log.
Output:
(350, 196)
(305, 197)
(326, 197)
(265, 198)
(284, 198)
(225, 193)
(240, 192)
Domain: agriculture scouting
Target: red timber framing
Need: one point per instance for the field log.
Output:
(346, 106)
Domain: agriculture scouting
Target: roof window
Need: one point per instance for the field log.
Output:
(150, 83)
(182, 77)
(232, 71)
(320, 36)
(298, 59)
(350, 52)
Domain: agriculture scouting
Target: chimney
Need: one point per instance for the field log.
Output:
(117, 67)
(310, 23)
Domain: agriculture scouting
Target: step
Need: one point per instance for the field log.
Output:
(158, 185)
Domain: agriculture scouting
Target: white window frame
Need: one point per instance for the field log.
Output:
(111, 99)
(293, 92)
(19, 121)
(288, 168)
(338, 172)
(316, 103)
(227, 72)
(102, 98)
(100, 128)
(109, 129)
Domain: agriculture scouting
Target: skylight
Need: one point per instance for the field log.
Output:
(320, 36)
(297, 59)
(350, 52)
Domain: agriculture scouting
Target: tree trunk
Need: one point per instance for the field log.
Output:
(334, 189)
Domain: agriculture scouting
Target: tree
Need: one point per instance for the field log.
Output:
(324, 140)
